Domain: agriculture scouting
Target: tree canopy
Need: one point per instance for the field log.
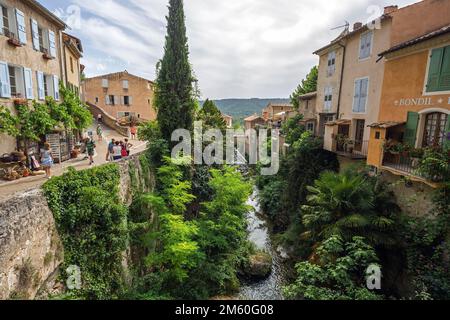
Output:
(306, 86)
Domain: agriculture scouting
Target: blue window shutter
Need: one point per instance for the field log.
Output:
(28, 76)
(35, 34)
(41, 89)
(21, 26)
(5, 88)
(56, 87)
(52, 43)
(357, 95)
(363, 95)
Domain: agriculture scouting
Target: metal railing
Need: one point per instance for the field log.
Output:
(357, 149)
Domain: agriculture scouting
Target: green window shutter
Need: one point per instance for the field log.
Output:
(444, 80)
(434, 71)
(411, 129)
(447, 135)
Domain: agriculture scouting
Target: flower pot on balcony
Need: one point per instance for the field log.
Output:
(20, 102)
(47, 56)
(14, 41)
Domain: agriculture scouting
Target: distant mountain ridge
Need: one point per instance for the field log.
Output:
(239, 109)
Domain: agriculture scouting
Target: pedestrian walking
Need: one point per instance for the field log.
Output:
(99, 133)
(46, 160)
(133, 131)
(90, 147)
(99, 118)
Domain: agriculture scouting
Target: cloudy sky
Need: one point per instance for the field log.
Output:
(238, 48)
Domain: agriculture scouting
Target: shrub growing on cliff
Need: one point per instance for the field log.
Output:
(91, 223)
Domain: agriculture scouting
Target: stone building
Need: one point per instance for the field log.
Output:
(30, 56)
(121, 94)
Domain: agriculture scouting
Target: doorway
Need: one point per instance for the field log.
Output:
(359, 134)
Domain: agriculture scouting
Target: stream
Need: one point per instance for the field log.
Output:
(259, 234)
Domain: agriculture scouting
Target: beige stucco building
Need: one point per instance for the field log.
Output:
(353, 91)
(121, 94)
(308, 107)
(30, 56)
(72, 53)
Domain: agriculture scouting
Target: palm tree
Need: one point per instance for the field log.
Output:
(349, 204)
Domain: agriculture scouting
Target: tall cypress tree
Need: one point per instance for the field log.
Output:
(174, 94)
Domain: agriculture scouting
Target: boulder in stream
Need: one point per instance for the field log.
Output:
(259, 265)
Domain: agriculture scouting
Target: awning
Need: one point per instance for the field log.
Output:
(338, 122)
(385, 124)
(308, 120)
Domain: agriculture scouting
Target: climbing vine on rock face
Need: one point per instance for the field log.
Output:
(91, 223)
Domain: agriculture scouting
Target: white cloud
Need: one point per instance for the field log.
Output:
(239, 48)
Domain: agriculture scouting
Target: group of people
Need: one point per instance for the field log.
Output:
(118, 150)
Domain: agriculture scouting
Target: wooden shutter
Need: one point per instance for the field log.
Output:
(52, 43)
(434, 69)
(444, 79)
(447, 135)
(21, 26)
(356, 96)
(28, 75)
(35, 34)
(41, 89)
(5, 88)
(411, 128)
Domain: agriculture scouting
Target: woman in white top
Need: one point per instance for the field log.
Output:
(117, 151)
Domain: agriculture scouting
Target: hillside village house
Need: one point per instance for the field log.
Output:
(253, 122)
(349, 86)
(30, 56)
(228, 120)
(307, 107)
(73, 52)
(415, 103)
(120, 95)
(275, 113)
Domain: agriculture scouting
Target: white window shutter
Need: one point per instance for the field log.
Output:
(41, 89)
(21, 26)
(52, 43)
(130, 100)
(56, 87)
(105, 83)
(5, 88)
(28, 76)
(107, 102)
(1, 22)
(357, 95)
(122, 100)
(35, 34)
(125, 84)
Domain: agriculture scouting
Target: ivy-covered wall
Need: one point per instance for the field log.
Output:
(81, 219)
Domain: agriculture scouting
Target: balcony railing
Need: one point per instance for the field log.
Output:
(355, 150)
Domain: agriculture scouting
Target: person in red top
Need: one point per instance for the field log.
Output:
(133, 131)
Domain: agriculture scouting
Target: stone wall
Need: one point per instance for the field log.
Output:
(30, 247)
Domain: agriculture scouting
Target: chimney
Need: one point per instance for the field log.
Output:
(357, 25)
(390, 9)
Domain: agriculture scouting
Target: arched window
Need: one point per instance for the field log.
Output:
(434, 129)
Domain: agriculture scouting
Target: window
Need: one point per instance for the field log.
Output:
(111, 100)
(328, 98)
(96, 100)
(125, 84)
(360, 96)
(310, 126)
(435, 128)
(4, 20)
(35, 35)
(16, 81)
(105, 83)
(439, 70)
(126, 100)
(365, 45)
(52, 43)
(41, 85)
(28, 75)
(331, 63)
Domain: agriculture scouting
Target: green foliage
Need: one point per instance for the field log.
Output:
(8, 122)
(92, 225)
(270, 197)
(157, 146)
(60, 114)
(435, 165)
(307, 85)
(346, 205)
(292, 129)
(211, 116)
(339, 273)
(175, 95)
(78, 115)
